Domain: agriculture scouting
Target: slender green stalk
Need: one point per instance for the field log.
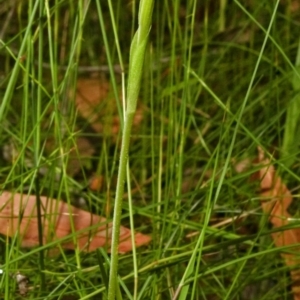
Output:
(13, 78)
(135, 267)
(291, 144)
(108, 50)
(36, 112)
(137, 53)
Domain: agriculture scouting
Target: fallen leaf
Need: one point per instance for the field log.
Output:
(90, 96)
(94, 104)
(275, 200)
(18, 214)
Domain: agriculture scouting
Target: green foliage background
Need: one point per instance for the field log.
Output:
(220, 78)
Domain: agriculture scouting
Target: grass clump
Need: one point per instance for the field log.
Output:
(219, 79)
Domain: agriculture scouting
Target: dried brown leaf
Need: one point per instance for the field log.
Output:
(275, 200)
(96, 106)
(90, 94)
(18, 214)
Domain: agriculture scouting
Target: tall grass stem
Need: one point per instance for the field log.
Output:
(136, 60)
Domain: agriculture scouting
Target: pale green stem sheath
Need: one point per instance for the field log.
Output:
(136, 60)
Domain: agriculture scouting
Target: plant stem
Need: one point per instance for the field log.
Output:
(137, 53)
(290, 145)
